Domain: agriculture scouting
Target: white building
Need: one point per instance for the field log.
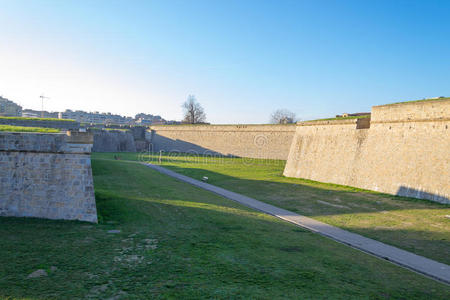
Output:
(9, 108)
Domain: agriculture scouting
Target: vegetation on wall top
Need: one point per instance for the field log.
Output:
(11, 128)
(37, 119)
(421, 100)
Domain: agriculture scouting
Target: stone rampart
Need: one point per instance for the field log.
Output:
(404, 152)
(47, 176)
(113, 141)
(254, 141)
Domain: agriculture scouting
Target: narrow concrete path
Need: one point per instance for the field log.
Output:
(417, 263)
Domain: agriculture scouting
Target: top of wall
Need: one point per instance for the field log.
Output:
(237, 127)
(358, 123)
(418, 111)
(37, 119)
(70, 142)
(40, 122)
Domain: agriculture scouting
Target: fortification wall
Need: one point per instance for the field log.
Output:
(64, 125)
(326, 150)
(47, 176)
(404, 152)
(255, 141)
(113, 141)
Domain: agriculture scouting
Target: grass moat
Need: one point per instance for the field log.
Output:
(159, 238)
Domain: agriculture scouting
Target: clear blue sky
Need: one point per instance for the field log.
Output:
(241, 59)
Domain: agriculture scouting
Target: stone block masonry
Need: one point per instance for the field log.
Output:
(113, 141)
(405, 151)
(252, 141)
(47, 176)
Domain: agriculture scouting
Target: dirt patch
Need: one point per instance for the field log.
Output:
(291, 249)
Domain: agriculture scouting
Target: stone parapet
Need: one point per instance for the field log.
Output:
(70, 142)
(420, 111)
(46, 176)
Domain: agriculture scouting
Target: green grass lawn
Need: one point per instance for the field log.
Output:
(37, 119)
(181, 242)
(419, 226)
(11, 128)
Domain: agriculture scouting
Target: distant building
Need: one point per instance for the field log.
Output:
(143, 122)
(9, 108)
(148, 119)
(31, 113)
(173, 122)
(95, 117)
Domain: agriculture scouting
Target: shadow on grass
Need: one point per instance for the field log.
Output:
(416, 225)
(420, 239)
(208, 247)
(332, 199)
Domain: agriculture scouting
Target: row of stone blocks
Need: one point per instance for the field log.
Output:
(47, 176)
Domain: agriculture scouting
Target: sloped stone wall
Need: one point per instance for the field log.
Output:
(406, 151)
(253, 141)
(113, 141)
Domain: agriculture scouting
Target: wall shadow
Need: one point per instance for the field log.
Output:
(415, 193)
(336, 206)
(328, 199)
(161, 143)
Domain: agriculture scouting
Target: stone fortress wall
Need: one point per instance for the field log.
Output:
(47, 176)
(405, 150)
(254, 141)
(113, 141)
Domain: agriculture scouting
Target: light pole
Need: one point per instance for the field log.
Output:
(42, 104)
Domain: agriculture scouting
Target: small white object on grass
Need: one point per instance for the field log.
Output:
(38, 273)
(205, 178)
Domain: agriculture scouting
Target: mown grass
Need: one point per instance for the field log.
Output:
(419, 226)
(180, 242)
(117, 129)
(37, 119)
(11, 128)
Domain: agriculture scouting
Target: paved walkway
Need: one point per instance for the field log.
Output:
(420, 264)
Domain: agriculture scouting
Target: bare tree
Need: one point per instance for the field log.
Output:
(193, 111)
(282, 116)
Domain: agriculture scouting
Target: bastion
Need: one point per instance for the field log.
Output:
(404, 149)
(47, 176)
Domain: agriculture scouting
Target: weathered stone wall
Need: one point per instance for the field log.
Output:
(46, 176)
(139, 135)
(255, 141)
(404, 152)
(113, 141)
(64, 125)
